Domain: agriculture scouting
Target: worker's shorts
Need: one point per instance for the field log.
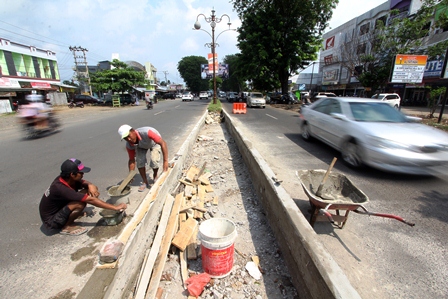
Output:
(59, 219)
(155, 154)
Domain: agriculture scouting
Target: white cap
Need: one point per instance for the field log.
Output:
(123, 131)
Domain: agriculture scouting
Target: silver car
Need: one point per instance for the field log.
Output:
(374, 133)
(256, 99)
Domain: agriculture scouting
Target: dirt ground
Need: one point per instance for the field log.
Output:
(237, 202)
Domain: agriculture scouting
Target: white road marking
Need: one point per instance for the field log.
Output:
(271, 116)
(159, 112)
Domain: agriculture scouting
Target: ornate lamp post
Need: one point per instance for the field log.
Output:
(212, 20)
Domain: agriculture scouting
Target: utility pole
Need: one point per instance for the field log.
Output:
(81, 60)
(166, 73)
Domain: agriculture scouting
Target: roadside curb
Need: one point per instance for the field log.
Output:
(313, 270)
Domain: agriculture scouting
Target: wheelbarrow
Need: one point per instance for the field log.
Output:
(338, 194)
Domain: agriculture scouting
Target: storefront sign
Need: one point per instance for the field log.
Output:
(8, 83)
(40, 85)
(409, 68)
(434, 67)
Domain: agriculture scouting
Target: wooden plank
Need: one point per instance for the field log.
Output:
(215, 200)
(165, 246)
(182, 219)
(191, 248)
(191, 174)
(202, 170)
(186, 183)
(203, 210)
(201, 194)
(183, 267)
(150, 260)
(182, 238)
(209, 188)
(189, 191)
(159, 293)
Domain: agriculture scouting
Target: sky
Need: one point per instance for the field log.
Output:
(156, 31)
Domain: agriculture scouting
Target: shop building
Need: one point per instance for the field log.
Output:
(25, 69)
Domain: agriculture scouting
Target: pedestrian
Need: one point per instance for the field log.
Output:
(138, 142)
(64, 201)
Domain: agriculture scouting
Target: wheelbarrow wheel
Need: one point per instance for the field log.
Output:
(351, 154)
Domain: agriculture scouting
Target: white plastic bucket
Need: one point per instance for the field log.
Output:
(217, 236)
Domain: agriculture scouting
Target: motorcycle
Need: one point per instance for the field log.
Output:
(76, 104)
(34, 126)
(149, 105)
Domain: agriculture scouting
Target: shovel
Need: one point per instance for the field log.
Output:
(125, 182)
(319, 190)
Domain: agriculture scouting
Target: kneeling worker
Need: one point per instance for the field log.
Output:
(66, 198)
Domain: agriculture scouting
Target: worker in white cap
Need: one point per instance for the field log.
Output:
(138, 142)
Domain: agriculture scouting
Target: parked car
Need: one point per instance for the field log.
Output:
(203, 95)
(87, 99)
(392, 99)
(231, 96)
(187, 96)
(222, 94)
(178, 95)
(272, 97)
(169, 96)
(256, 99)
(318, 95)
(369, 132)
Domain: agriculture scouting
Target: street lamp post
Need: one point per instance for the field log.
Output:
(212, 20)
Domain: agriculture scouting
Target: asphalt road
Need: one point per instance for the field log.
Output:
(32, 261)
(382, 257)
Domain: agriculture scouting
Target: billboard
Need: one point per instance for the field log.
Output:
(409, 68)
(222, 70)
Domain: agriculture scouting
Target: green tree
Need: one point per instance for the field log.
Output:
(236, 81)
(120, 79)
(278, 37)
(190, 70)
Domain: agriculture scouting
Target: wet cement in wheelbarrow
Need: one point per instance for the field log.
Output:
(336, 189)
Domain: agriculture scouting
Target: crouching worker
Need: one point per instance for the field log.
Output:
(65, 199)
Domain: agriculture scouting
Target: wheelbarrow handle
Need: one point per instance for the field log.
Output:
(365, 212)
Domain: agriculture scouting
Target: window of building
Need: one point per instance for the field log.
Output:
(364, 29)
(361, 49)
(328, 59)
(382, 20)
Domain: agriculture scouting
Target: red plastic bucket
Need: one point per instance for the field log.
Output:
(217, 236)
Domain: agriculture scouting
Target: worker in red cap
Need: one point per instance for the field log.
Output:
(64, 201)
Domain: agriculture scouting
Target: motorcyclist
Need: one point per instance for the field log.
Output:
(35, 110)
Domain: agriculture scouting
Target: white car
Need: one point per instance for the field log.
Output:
(370, 132)
(203, 95)
(392, 99)
(187, 96)
(256, 99)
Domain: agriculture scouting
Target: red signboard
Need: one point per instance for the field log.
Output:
(40, 85)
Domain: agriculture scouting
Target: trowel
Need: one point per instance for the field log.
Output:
(125, 182)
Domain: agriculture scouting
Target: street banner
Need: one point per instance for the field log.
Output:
(222, 70)
(409, 68)
(210, 62)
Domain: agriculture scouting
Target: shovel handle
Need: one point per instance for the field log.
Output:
(329, 169)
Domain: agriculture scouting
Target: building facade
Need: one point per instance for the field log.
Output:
(338, 44)
(26, 69)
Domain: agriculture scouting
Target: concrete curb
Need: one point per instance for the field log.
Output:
(120, 281)
(314, 272)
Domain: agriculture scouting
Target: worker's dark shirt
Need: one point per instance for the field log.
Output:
(57, 196)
